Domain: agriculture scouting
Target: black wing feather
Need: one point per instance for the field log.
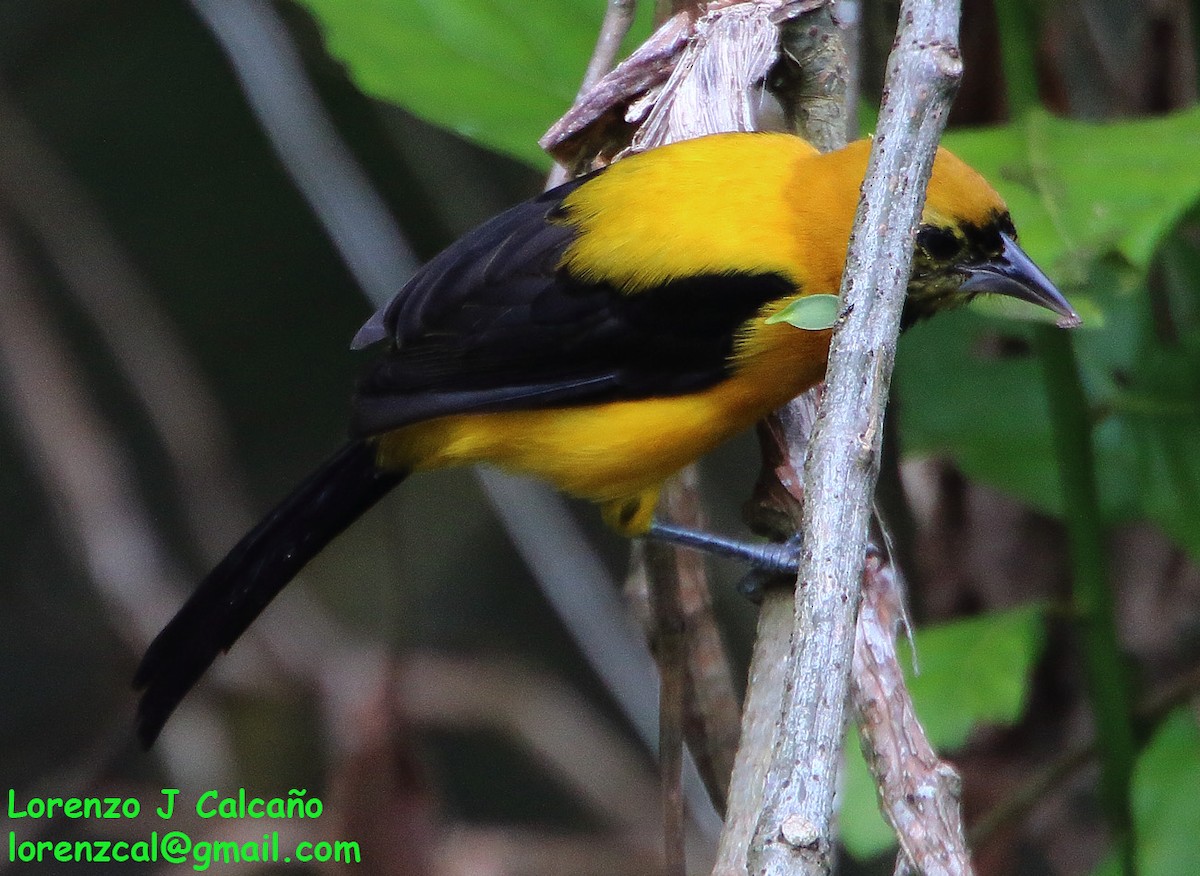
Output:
(494, 323)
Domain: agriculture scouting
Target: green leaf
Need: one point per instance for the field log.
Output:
(497, 71)
(1156, 423)
(974, 671)
(980, 401)
(861, 827)
(1166, 807)
(812, 312)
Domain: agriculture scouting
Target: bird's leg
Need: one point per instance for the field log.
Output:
(770, 563)
(771, 559)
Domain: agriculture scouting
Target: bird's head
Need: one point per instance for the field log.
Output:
(966, 245)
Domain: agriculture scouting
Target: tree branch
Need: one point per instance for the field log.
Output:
(696, 75)
(780, 491)
(817, 76)
(618, 18)
(919, 793)
(795, 833)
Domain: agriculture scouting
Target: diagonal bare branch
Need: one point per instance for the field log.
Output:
(919, 793)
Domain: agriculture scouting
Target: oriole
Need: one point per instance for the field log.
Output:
(601, 336)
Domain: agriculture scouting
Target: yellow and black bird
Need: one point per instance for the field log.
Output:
(601, 337)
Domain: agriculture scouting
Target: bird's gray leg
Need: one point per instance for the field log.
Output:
(771, 558)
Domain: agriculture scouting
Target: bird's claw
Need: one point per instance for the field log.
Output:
(777, 566)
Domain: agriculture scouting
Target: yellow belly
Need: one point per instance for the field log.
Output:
(616, 454)
(600, 452)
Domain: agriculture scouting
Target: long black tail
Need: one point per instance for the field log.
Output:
(253, 573)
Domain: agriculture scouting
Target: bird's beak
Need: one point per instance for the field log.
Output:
(1014, 274)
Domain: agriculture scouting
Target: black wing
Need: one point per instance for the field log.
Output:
(494, 323)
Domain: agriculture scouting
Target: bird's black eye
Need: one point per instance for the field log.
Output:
(939, 243)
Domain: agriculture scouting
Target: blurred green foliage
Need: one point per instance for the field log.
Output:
(1080, 190)
(497, 72)
(1166, 808)
(1098, 205)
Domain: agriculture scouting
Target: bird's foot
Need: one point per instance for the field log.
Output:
(770, 564)
(779, 568)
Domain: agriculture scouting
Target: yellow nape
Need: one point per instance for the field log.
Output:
(957, 193)
(716, 205)
(742, 203)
